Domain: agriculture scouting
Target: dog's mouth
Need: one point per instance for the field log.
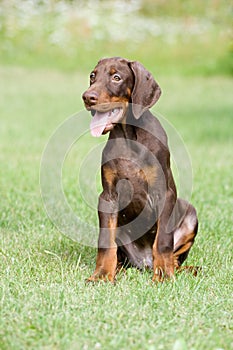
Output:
(104, 121)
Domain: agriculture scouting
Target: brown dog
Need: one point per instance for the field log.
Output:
(142, 222)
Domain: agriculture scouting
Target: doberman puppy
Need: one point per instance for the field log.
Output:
(142, 222)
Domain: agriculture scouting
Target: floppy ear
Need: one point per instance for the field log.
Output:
(145, 92)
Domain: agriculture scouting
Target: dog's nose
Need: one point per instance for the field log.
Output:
(90, 97)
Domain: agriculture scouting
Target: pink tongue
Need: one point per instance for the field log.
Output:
(98, 123)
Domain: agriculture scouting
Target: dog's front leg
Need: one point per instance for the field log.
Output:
(106, 260)
(163, 259)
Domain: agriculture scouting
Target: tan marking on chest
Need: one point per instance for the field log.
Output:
(149, 174)
(109, 175)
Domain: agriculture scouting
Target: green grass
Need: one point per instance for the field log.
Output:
(44, 301)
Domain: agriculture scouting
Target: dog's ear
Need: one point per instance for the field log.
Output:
(145, 92)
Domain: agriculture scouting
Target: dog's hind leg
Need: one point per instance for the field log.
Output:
(184, 235)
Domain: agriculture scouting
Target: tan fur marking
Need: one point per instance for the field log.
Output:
(163, 264)
(129, 92)
(109, 175)
(112, 71)
(185, 244)
(106, 261)
(149, 174)
(121, 99)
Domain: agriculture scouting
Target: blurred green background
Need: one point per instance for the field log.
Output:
(188, 37)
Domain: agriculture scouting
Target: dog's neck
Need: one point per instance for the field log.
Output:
(126, 129)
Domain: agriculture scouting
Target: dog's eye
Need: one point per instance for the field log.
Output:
(92, 77)
(116, 77)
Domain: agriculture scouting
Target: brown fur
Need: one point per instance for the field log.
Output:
(139, 200)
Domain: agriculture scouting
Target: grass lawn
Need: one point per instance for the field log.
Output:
(44, 301)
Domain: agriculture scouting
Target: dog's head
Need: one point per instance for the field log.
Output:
(114, 83)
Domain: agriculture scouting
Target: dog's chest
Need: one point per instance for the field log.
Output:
(132, 172)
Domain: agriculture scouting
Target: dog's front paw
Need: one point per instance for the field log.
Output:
(163, 266)
(158, 274)
(161, 275)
